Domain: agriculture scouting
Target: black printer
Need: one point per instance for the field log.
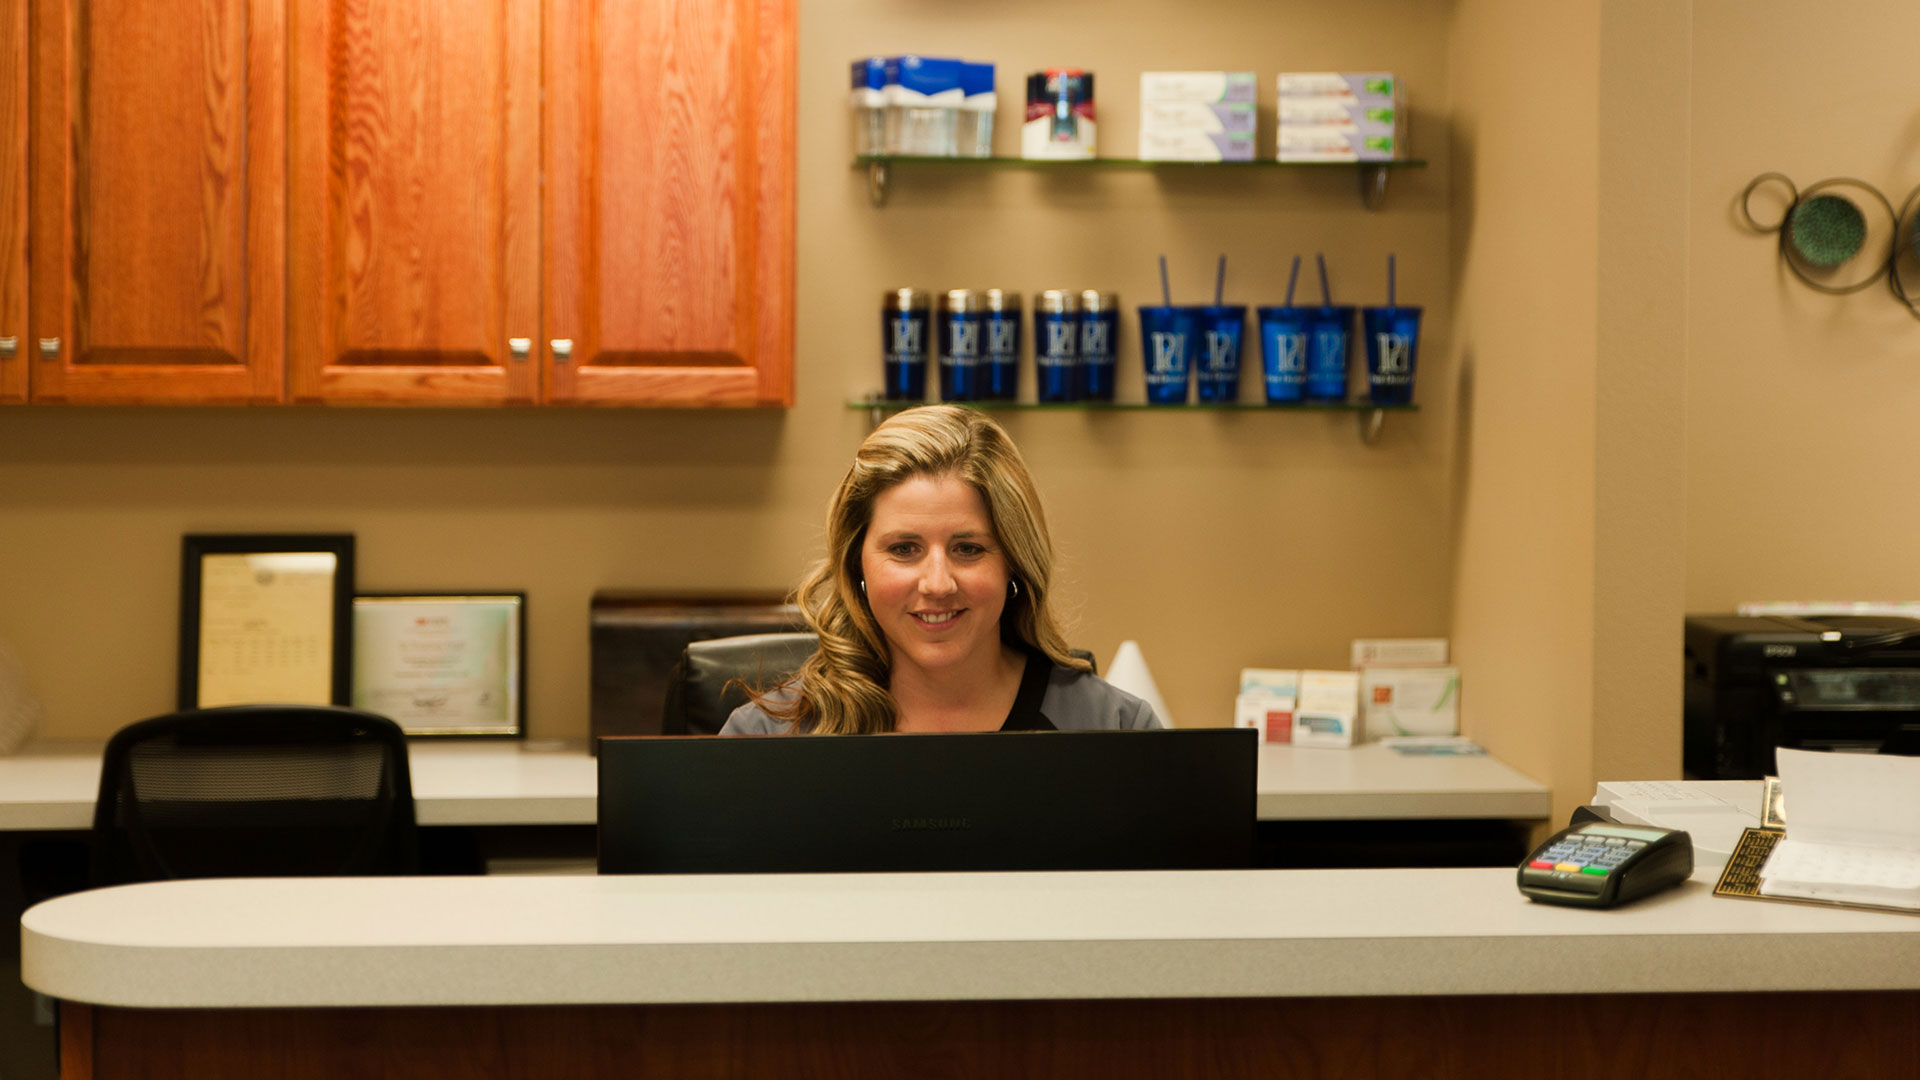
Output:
(1821, 682)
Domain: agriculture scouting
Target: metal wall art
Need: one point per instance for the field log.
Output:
(1840, 235)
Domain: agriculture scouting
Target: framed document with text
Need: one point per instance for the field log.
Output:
(265, 619)
(442, 663)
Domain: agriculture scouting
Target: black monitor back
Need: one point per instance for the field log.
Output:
(1045, 800)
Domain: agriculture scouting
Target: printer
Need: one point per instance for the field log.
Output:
(1820, 682)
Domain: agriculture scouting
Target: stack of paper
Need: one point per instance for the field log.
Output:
(1713, 812)
(1854, 837)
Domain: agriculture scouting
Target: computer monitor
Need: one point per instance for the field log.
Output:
(1042, 800)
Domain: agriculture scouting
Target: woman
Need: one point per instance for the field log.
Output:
(934, 603)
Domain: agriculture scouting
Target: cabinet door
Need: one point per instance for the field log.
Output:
(13, 200)
(669, 198)
(158, 189)
(415, 205)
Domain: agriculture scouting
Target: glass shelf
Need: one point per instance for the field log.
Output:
(1371, 416)
(1373, 174)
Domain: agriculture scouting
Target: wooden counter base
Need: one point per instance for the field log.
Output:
(1836, 1035)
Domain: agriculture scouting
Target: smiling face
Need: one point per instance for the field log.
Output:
(936, 577)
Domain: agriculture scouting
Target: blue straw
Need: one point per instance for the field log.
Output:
(1292, 277)
(1220, 281)
(1326, 294)
(1166, 294)
(1390, 302)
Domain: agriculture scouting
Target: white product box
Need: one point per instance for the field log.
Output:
(1269, 714)
(1329, 690)
(1324, 727)
(1260, 680)
(1213, 119)
(1401, 652)
(1037, 141)
(1373, 119)
(1377, 86)
(1333, 144)
(1198, 87)
(1158, 145)
(1410, 701)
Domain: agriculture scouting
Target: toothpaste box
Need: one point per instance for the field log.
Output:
(1372, 119)
(1177, 145)
(1410, 701)
(1333, 144)
(1196, 87)
(1230, 118)
(1368, 86)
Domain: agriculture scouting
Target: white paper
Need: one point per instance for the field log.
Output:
(1855, 831)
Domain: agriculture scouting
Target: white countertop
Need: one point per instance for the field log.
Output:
(52, 785)
(883, 937)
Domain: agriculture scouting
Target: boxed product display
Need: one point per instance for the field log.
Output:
(1266, 702)
(1233, 117)
(923, 99)
(1059, 122)
(1339, 116)
(1410, 701)
(1327, 713)
(1195, 146)
(1196, 87)
(1399, 652)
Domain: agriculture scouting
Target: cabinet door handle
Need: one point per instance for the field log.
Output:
(562, 349)
(9, 347)
(49, 348)
(519, 347)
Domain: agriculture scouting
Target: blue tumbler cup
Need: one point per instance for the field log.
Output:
(1219, 330)
(1056, 346)
(1166, 343)
(1329, 329)
(1099, 343)
(959, 330)
(1393, 345)
(1284, 343)
(903, 333)
(1001, 316)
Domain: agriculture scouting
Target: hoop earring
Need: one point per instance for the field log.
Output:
(1014, 585)
(863, 587)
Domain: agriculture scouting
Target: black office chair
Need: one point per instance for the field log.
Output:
(706, 686)
(255, 791)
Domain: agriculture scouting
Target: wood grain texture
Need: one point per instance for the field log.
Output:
(13, 200)
(155, 174)
(415, 201)
(669, 206)
(1738, 1036)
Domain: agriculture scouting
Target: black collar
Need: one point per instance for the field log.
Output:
(1025, 714)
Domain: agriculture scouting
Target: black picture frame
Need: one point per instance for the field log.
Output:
(196, 548)
(515, 679)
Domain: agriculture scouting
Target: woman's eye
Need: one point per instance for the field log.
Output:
(969, 551)
(901, 551)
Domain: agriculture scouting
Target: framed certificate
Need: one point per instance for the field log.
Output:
(265, 620)
(442, 663)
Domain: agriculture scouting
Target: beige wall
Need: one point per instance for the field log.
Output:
(1801, 407)
(1525, 108)
(1217, 541)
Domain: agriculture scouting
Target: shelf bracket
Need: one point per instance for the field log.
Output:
(1373, 186)
(1371, 422)
(879, 176)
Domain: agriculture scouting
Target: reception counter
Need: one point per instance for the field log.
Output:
(1445, 972)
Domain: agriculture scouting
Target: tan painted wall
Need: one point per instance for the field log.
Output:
(1216, 541)
(1801, 408)
(1525, 109)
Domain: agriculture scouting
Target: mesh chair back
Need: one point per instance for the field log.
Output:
(255, 791)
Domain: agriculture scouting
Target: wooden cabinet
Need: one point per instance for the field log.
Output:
(158, 194)
(429, 266)
(670, 202)
(13, 200)
(487, 203)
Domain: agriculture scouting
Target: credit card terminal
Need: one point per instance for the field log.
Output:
(1602, 865)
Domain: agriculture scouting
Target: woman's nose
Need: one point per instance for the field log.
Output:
(936, 579)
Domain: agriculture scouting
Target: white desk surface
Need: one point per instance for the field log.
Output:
(907, 937)
(52, 785)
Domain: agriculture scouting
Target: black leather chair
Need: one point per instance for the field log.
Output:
(706, 686)
(255, 791)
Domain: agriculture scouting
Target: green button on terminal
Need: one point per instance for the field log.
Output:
(1601, 870)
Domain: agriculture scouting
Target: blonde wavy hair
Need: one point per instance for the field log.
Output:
(842, 688)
